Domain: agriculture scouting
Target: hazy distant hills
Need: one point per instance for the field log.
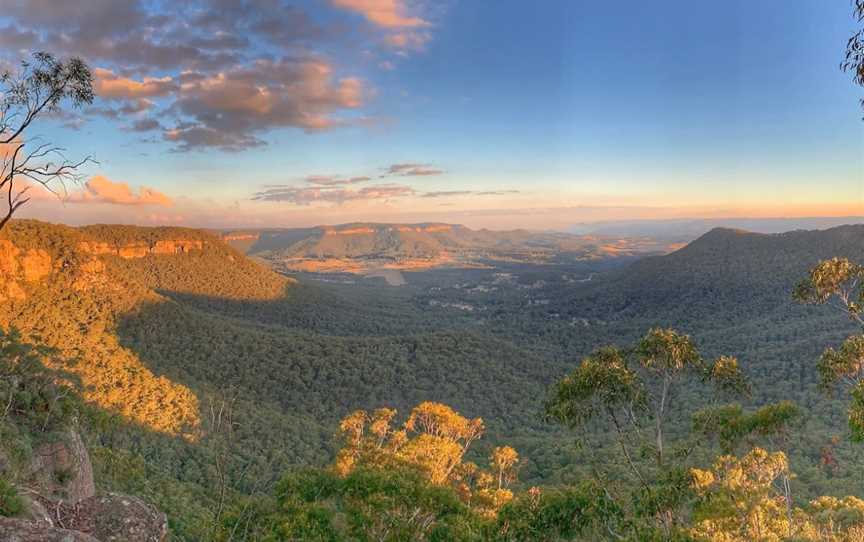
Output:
(724, 269)
(689, 229)
(361, 246)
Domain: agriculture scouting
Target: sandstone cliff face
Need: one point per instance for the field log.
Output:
(241, 237)
(18, 267)
(140, 250)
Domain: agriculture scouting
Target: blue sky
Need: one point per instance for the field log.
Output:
(512, 114)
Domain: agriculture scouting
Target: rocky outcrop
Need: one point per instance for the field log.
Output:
(18, 267)
(433, 228)
(140, 249)
(116, 518)
(241, 237)
(62, 471)
(34, 508)
(329, 230)
(22, 530)
(61, 504)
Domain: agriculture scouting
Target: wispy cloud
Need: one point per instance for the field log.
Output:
(310, 195)
(335, 180)
(456, 193)
(403, 31)
(100, 189)
(145, 125)
(109, 85)
(497, 192)
(384, 13)
(412, 170)
(447, 193)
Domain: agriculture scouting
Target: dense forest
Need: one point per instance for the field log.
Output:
(210, 385)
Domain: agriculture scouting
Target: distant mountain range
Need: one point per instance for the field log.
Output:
(728, 271)
(360, 247)
(685, 230)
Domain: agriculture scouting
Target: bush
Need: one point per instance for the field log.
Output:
(10, 502)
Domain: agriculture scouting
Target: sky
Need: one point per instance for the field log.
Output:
(489, 113)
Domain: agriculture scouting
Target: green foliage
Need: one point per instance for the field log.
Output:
(845, 365)
(581, 512)
(840, 280)
(602, 383)
(733, 427)
(38, 88)
(856, 413)
(727, 376)
(666, 497)
(32, 395)
(665, 350)
(853, 61)
(738, 499)
(392, 505)
(10, 502)
(833, 277)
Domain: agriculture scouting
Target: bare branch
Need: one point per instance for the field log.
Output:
(41, 86)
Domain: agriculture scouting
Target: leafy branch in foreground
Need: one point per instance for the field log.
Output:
(839, 283)
(40, 87)
(853, 61)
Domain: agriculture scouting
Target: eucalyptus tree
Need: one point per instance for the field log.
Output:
(41, 86)
(853, 61)
(632, 393)
(839, 283)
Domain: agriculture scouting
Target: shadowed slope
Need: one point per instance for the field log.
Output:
(67, 287)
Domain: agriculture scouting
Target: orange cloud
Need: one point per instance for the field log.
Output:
(100, 189)
(404, 32)
(230, 106)
(112, 86)
(385, 13)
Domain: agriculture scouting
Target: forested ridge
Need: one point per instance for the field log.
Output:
(169, 343)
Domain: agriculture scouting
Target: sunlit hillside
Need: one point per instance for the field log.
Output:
(367, 247)
(69, 288)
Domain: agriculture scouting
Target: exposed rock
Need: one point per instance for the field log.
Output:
(140, 250)
(332, 230)
(241, 237)
(11, 290)
(8, 258)
(176, 247)
(34, 509)
(17, 266)
(36, 264)
(22, 530)
(93, 247)
(117, 518)
(62, 470)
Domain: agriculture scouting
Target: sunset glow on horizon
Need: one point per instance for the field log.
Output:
(264, 113)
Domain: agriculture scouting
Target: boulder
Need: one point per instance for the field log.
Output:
(117, 518)
(22, 530)
(34, 509)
